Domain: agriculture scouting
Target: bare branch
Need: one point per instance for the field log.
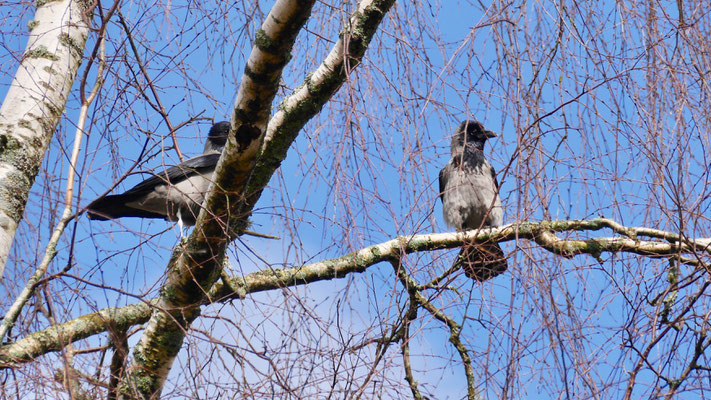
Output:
(231, 288)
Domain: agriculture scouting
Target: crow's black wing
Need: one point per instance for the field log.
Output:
(191, 167)
(493, 176)
(443, 177)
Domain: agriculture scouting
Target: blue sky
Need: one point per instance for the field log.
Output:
(365, 170)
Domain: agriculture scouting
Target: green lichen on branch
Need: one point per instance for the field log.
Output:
(40, 3)
(41, 52)
(355, 262)
(308, 99)
(74, 46)
(55, 337)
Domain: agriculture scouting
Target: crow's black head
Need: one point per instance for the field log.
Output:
(470, 133)
(217, 137)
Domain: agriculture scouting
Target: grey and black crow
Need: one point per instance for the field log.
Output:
(175, 194)
(470, 199)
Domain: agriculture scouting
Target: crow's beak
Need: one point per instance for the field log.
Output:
(490, 134)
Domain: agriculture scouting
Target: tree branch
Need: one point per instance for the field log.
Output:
(308, 99)
(455, 329)
(48, 340)
(230, 288)
(196, 264)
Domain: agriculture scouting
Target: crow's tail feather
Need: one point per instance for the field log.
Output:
(482, 261)
(114, 206)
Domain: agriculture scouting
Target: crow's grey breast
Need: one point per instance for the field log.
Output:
(470, 199)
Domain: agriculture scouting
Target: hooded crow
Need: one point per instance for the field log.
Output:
(470, 199)
(175, 194)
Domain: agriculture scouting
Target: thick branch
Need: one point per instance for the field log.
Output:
(196, 265)
(51, 250)
(319, 86)
(47, 340)
(540, 232)
(57, 336)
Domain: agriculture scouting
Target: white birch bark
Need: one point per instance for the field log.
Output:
(33, 104)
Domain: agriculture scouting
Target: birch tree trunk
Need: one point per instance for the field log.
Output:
(35, 101)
